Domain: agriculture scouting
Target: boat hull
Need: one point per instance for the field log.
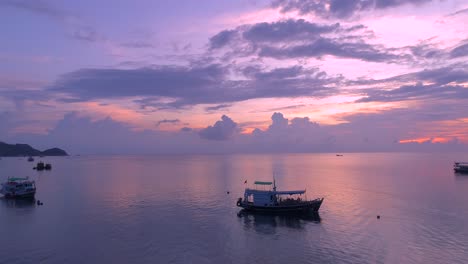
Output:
(461, 170)
(309, 206)
(25, 195)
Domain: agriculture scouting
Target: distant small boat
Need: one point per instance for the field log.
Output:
(339, 155)
(460, 167)
(40, 166)
(274, 201)
(48, 166)
(30, 159)
(18, 188)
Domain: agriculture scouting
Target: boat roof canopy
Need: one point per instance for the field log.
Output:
(263, 183)
(18, 179)
(254, 191)
(290, 192)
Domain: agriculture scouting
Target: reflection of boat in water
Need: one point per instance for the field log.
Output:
(461, 167)
(274, 201)
(307, 217)
(18, 203)
(263, 222)
(41, 166)
(18, 188)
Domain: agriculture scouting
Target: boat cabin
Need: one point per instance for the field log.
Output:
(461, 167)
(265, 194)
(17, 184)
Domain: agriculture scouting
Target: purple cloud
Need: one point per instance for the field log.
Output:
(222, 130)
(192, 85)
(168, 121)
(299, 39)
(460, 51)
(338, 8)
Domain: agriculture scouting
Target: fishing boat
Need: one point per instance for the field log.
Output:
(40, 166)
(272, 200)
(461, 167)
(18, 188)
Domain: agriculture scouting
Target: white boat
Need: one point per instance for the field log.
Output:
(18, 188)
(271, 200)
(461, 167)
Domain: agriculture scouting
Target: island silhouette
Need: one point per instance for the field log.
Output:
(15, 150)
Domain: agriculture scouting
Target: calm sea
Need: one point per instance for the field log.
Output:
(176, 209)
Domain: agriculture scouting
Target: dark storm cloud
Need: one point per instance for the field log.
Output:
(299, 38)
(189, 86)
(338, 8)
(221, 130)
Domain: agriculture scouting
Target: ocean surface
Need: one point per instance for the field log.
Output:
(176, 209)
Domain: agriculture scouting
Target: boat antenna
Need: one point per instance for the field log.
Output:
(274, 184)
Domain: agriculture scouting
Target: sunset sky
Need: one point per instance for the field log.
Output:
(220, 76)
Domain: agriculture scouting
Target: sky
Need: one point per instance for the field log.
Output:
(246, 76)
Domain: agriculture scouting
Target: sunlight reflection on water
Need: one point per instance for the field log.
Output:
(175, 209)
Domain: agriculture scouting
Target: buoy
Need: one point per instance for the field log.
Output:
(227, 192)
(378, 217)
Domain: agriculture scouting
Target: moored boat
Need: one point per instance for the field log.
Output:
(30, 159)
(40, 166)
(18, 188)
(273, 201)
(461, 167)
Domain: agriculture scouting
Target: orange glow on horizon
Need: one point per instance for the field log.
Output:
(425, 140)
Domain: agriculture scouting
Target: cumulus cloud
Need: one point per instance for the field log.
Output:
(363, 132)
(221, 130)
